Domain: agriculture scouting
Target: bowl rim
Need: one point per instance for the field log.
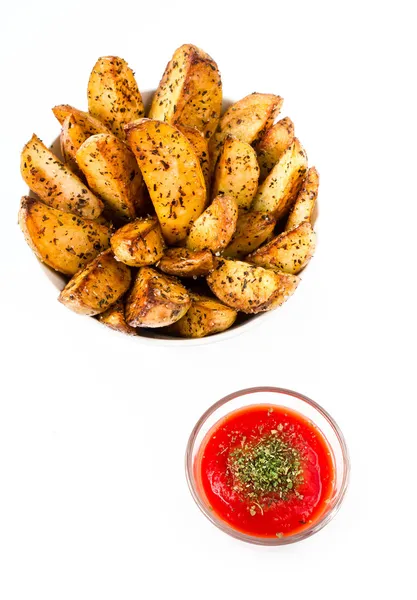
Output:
(253, 539)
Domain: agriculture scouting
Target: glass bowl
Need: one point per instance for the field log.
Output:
(311, 411)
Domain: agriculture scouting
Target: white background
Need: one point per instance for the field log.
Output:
(93, 425)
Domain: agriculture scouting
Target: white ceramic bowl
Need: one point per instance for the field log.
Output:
(155, 336)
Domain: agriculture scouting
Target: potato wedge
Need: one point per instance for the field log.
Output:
(112, 173)
(55, 183)
(89, 124)
(237, 172)
(213, 229)
(273, 144)
(182, 262)
(190, 91)
(205, 316)
(71, 138)
(139, 243)
(113, 94)
(252, 230)
(246, 120)
(305, 202)
(114, 317)
(96, 287)
(62, 241)
(278, 192)
(155, 300)
(200, 145)
(249, 288)
(289, 252)
(172, 173)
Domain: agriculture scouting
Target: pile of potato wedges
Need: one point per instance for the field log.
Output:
(182, 219)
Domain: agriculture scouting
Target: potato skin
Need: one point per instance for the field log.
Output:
(89, 124)
(155, 300)
(190, 91)
(139, 243)
(113, 94)
(205, 316)
(62, 241)
(237, 172)
(112, 173)
(114, 317)
(305, 202)
(172, 173)
(278, 192)
(213, 229)
(55, 183)
(71, 138)
(273, 144)
(96, 287)
(248, 288)
(289, 252)
(182, 262)
(252, 230)
(200, 145)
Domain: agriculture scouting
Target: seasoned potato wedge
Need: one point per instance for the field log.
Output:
(63, 241)
(190, 91)
(113, 94)
(252, 230)
(71, 138)
(305, 202)
(205, 316)
(96, 287)
(273, 144)
(237, 172)
(200, 145)
(289, 252)
(213, 230)
(155, 300)
(112, 172)
(55, 183)
(186, 263)
(114, 317)
(172, 173)
(280, 189)
(246, 120)
(139, 243)
(249, 288)
(86, 122)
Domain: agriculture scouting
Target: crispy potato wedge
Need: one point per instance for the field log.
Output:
(248, 288)
(112, 173)
(237, 172)
(305, 202)
(71, 138)
(113, 94)
(139, 243)
(96, 287)
(289, 252)
(205, 316)
(252, 230)
(190, 91)
(273, 144)
(246, 120)
(114, 317)
(155, 300)
(89, 124)
(55, 183)
(172, 173)
(278, 192)
(213, 229)
(200, 145)
(182, 262)
(63, 241)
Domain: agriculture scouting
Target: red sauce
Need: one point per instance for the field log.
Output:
(284, 516)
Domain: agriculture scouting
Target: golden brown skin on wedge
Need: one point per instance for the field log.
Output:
(114, 317)
(182, 262)
(252, 230)
(155, 300)
(205, 317)
(89, 124)
(71, 138)
(63, 241)
(273, 144)
(249, 288)
(305, 202)
(190, 91)
(55, 183)
(96, 287)
(200, 145)
(172, 174)
(113, 94)
(139, 243)
(213, 230)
